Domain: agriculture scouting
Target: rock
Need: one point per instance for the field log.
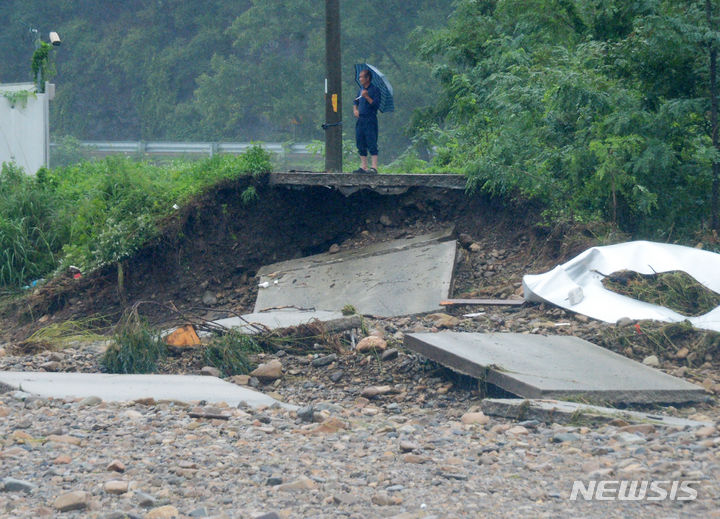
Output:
(624, 322)
(706, 432)
(415, 459)
(383, 499)
(145, 500)
(390, 354)
(62, 459)
(324, 361)
(475, 247)
(116, 466)
(90, 401)
(518, 430)
(163, 512)
(465, 240)
(209, 298)
(273, 481)
(210, 371)
(268, 372)
(334, 248)
(330, 426)
(70, 440)
(441, 320)
(336, 376)
(408, 446)
(302, 483)
(306, 413)
(643, 428)
(240, 380)
(651, 361)
(385, 220)
(116, 486)
(17, 485)
(52, 366)
(565, 437)
(269, 515)
(682, 353)
(200, 512)
(375, 391)
(478, 418)
(77, 500)
(371, 343)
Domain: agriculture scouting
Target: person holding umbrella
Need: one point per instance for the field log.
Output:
(365, 108)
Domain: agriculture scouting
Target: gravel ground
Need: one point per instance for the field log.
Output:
(414, 447)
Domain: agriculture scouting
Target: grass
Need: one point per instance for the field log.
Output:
(99, 213)
(137, 349)
(229, 353)
(63, 333)
(675, 290)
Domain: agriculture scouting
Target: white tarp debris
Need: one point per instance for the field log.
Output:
(577, 284)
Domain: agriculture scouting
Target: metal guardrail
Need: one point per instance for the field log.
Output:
(189, 148)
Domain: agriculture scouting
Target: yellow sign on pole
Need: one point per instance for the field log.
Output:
(334, 102)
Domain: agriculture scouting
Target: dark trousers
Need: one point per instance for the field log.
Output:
(366, 135)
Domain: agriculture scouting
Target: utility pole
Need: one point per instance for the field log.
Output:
(333, 88)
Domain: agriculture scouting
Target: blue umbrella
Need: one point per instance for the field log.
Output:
(387, 103)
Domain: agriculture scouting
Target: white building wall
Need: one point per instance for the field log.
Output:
(24, 131)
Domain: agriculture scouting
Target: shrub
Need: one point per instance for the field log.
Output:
(137, 349)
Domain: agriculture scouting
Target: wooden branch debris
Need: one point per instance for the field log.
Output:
(488, 302)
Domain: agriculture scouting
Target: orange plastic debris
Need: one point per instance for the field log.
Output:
(183, 336)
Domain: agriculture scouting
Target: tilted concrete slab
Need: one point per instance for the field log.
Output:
(558, 411)
(383, 184)
(398, 277)
(285, 318)
(538, 366)
(126, 388)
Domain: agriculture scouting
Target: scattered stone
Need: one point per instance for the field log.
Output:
(240, 380)
(565, 437)
(385, 220)
(163, 512)
(408, 446)
(302, 483)
(336, 376)
(324, 361)
(465, 240)
(209, 298)
(478, 418)
(706, 432)
(90, 401)
(415, 459)
(518, 430)
(116, 466)
(77, 500)
(375, 391)
(441, 320)
(200, 512)
(306, 413)
(17, 485)
(334, 248)
(116, 486)
(63, 438)
(383, 499)
(62, 459)
(52, 366)
(268, 372)
(651, 361)
(210, 371)
(371, 343)
(390, 354)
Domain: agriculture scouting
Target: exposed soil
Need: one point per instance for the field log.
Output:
(205, 264)
(208, 256)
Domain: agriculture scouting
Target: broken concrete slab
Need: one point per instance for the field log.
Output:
(254, 323)
(538, 366)
(126, 388)
(398, 277)
(558, 411)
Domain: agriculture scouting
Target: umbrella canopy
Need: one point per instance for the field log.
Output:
(387, 103)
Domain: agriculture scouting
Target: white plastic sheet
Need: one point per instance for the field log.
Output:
(577, 284)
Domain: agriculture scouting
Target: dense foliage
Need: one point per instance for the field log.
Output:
(224, 71)
(99, 213)
(596, 108)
